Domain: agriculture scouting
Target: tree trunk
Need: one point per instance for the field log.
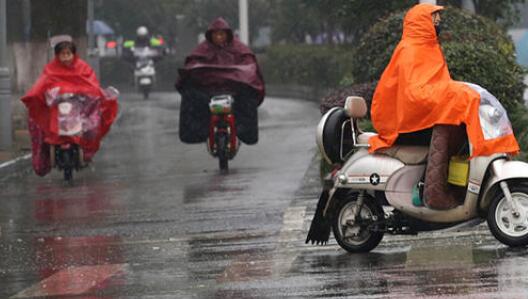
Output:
(468, 5)
(428, 1)
(29, 59)
(30, 24)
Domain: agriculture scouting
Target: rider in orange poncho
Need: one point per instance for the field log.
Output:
(416, 92)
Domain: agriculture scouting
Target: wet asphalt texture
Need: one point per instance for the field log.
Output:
(155, 218)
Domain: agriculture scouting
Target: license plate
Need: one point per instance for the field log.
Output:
(145, 81)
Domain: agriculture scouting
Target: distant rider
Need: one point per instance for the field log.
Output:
(220, 64)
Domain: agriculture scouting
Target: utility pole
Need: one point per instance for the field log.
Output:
(93, 58)
(243, 21)
(468, 5)
(6, 138)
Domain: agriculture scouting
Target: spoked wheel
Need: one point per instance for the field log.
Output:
(508, 226)
(357, 235)
(222, 153)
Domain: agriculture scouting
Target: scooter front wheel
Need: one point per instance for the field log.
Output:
(223, 159)
(357, 234)
(146, 93)
(508, 226)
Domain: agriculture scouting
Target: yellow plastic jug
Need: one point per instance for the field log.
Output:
(458, 171)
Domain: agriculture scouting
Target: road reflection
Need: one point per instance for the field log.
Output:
(71, 264)
(414, 271)
(217, 186)
(81, 204)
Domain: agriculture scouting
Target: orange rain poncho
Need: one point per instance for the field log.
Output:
(416, 92)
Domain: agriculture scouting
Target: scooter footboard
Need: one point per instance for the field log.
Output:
(399, 195)
(501, 170)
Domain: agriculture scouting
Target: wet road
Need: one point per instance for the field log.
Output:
(154, 218)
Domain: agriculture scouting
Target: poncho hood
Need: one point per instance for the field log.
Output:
(418, 25)
(219, 24)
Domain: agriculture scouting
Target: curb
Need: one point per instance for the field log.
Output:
(308, 93)
(11, 167)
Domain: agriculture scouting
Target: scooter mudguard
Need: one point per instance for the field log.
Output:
(320, 227)
(364, 171)
(503, 170)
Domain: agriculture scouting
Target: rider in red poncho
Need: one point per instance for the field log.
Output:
(66, 73)
(220, 64)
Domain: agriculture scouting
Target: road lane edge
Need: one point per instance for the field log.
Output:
(18, 164)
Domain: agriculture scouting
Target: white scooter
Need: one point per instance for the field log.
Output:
(368, 195)
(144, 72)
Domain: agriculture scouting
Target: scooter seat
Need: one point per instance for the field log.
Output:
(408, 154)
(364, 137)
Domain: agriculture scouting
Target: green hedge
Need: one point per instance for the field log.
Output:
(476, 49)
(309, 65)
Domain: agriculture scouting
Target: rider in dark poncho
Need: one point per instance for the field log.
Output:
(220, 64)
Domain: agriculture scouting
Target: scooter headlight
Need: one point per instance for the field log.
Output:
(491, 113)
(65, 108)
(221, 104)
(342, 179)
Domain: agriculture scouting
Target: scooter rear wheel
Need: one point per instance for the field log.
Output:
(356, 235)
(509, 228)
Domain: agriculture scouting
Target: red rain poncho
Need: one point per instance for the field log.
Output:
(78, 78)
(416, 92)
(216, 67)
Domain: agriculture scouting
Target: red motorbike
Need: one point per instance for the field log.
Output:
(75, 122)
(222, 142)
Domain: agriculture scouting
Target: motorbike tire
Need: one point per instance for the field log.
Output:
(68, 174)
(146, 93)
(68, 165)
(367, 240)
(223, 157)
(510, 230)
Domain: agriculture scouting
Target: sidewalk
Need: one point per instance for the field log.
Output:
(21, 146)
(21, 140)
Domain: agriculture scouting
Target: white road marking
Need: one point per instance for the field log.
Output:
(11, 162)
(72, 281)
(279, 261)
(292, 227)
